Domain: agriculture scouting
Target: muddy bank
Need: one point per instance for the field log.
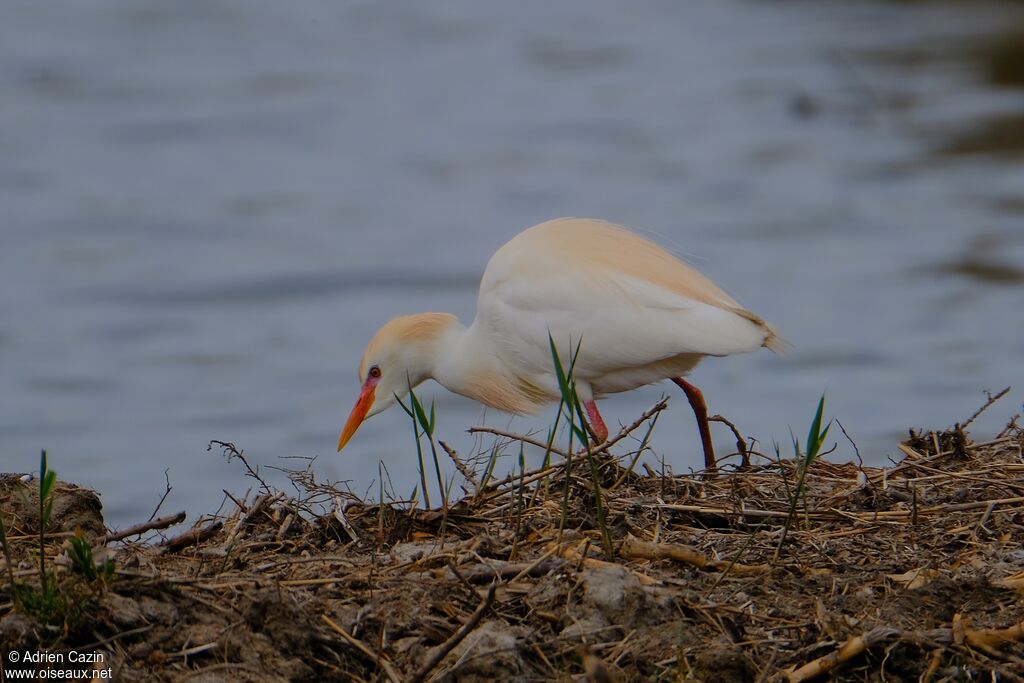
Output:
(906, 573)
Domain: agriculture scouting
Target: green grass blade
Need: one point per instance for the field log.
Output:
(577, 406)
(489, 470)
(428, 429)
(581, 433)
(419, 452)
(563, 381)
(520, 502)
(421, 415)
(408, 411)
(567, 387)
(815, 437)
(47, 480)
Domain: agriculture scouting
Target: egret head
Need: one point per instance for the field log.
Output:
(399, 357)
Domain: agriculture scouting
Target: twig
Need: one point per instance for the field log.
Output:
(339, 515)
(870, 517)
(167, 491)
(639, 452)
(483, 429)
(459, 465)
(378, 659)
(850, 649)
(520, 479)
(190, 537)
(117, 636)
(161, 523)
(741, 443)
(198, 649)
(1011, 426)
(542, 472)
(442, 651)
(232, 451)
(984, 639)
(625, 431)
(919, 459)
(634, 548)
(238, 503)
(257, 506)
(603, 448)
(632, 427)
(573, 555)
(483, 573)
(536, 568)
(991, 399)
(856, 451)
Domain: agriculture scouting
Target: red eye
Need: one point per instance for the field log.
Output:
(375, 372)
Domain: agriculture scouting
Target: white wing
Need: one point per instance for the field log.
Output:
(634, 309)
(620, 322)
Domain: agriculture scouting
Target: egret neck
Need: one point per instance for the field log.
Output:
(466, 363)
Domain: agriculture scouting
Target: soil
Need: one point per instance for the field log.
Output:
(912, 572)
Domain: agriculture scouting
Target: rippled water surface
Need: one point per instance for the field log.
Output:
(209, 207)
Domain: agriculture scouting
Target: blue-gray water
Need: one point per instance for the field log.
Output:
(208, 207)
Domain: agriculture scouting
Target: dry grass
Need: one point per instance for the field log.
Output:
(906, 573)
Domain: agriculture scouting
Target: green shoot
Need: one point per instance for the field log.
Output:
(449, 486)
(427, 424)
(55, 605)
(419, 452)
(567, 387)
(489, 470)
(519, 502)
(82, 561)
(421, 421)
(816, 436)
(47, 481)
(568, 397)
(815, 439)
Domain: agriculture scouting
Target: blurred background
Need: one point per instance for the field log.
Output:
(209, 206)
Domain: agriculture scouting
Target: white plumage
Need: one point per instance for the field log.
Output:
(638, 314)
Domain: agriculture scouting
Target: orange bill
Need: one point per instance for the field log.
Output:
(357, 415)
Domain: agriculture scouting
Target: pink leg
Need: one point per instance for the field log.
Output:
(700, 410)
(597, 425)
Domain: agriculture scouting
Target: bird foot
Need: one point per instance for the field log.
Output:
(597, 428)
(700, 411)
